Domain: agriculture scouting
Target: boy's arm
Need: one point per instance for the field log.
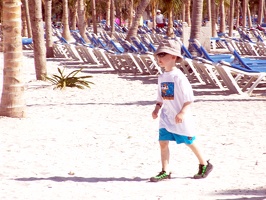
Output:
(158, 106)
(179, 117)
(185, 107)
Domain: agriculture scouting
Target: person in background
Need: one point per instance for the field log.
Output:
(117, 21)
(159, 19)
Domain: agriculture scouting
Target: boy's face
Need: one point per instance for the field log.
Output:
(166, 61)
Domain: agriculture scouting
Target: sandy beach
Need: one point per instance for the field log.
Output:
(101, 143)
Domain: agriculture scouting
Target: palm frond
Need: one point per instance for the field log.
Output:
(71, 80)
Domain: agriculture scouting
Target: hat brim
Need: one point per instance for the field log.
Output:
(168, 50)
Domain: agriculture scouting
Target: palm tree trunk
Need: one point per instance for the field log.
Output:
(170, 30)
(66, 31)
(38, 39)
(24, 32)
(48, 29)
(73, 15)
(196, 22)
(183, 12)
(244, 13)
(237, 13)
(81, 21)
(214, 19)
(134, 28)
(108, 11)
(261, 6)
(249, 16)
(222, 17)
(264, 8)
(187, 11)
(26, 4)
(209, 10)
(231, 17)
(112, 18)
(12, 100)
(94, 23)
(131, 10)
(196, 19)
(153, 16)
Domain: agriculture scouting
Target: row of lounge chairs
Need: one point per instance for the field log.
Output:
(230, 71)
(226, 72)
(102, 50)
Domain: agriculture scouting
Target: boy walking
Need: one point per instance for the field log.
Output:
(175, 96)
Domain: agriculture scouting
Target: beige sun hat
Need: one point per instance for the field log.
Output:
(158, 11)
(171, 47)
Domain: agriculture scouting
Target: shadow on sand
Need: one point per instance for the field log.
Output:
(239, 194)
(81, 179)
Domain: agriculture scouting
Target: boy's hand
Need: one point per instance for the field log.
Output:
(156, 110)
(154, 114)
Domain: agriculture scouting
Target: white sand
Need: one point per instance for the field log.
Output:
(106, 137)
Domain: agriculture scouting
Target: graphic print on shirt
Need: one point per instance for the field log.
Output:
(167, 89)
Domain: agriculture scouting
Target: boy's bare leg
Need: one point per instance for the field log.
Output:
(197, 152)
(165, 154)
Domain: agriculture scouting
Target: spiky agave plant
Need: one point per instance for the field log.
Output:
(71, 80)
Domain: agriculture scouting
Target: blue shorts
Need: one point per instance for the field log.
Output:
(165, 135)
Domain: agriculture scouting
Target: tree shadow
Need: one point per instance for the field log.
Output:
(201, 90)
(138, 103)
(229, 100)
(240, 194)
(82, 179)
(89, 68)
(28, 53)
(245, 198)
(59, 60)
(145, 79)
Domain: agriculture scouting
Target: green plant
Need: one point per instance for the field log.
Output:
(71, 80)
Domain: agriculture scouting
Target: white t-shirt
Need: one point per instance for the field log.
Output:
(174, 90)
(159, 19)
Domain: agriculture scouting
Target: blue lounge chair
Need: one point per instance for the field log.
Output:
(239, 80)
(243, 35)
(249, 64)
(80, 40)
(92, 40)
(148, 43)
(201, 51)
(99, 41)
(130, 48)
(233, 58)
(141, 46)
(27, 41)
(257, 35)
